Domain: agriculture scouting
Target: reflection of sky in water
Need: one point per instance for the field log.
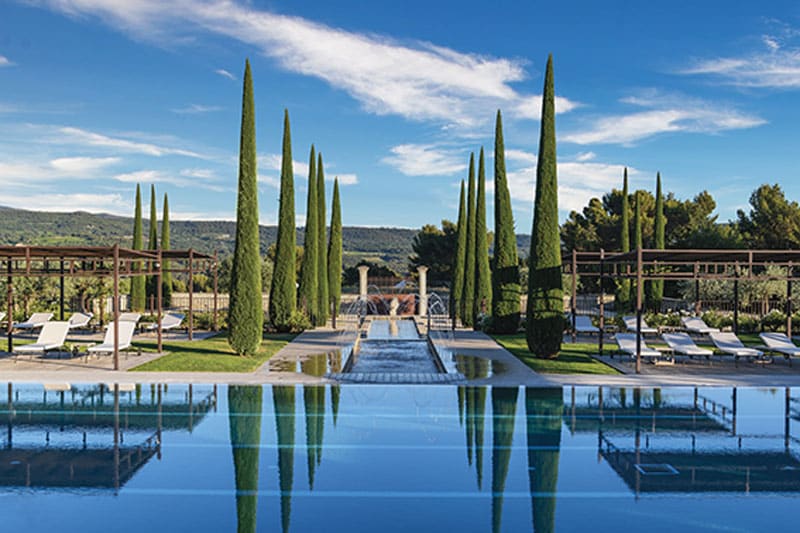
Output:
(411, 457)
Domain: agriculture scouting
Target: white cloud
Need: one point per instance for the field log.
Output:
(585, 156)
(67, 203)
(200, 173)
(225, 74)
(82, 165)
(272, 162)
(196, 109)
(344, 179)
(419, 81)
(70, 135)
(160, 176)
(5, 62)
(664, 113)
(520, 155)
(425, 160)
(24, 172)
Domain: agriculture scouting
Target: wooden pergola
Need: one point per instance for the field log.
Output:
(103, 262)
(642, 265)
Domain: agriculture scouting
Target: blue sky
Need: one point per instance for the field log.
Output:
(97, 95)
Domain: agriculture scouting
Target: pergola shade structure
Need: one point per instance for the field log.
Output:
(688, 265)
(112, 262)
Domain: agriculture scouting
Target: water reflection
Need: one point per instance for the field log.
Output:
(244, 415)
(284, 404)
(543, 409)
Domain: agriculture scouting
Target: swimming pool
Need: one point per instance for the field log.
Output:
(367, 458)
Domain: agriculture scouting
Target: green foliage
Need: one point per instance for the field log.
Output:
(545, 310)
(483, 274)
(573, 358)
(504, 409)
(244, 420)
(457, 280)
(283, 399)
(623, 296)
(246, 318)
(505, 267)
(467, 316)
(308, 299)
(298, 322)
(350, 274)
(543, 410)
(283, 290)
(152, 244)
(774, 321)
(166, 275)
(137, 294)
(323, 303)
(335, 250)
(773, 222)
(435, 248)
(656, 292)
(637, 242)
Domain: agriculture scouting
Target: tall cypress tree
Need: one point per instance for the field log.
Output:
(637, 237)
(545, 304)
(505, 271)
(483, 274)
(152, 244)
(659, 242)
(246, 315)
(166, 275)
(467, 316)
(322, 238)
(457, 283)
(283, 290)
(137, 296)
(623, 296)
(335, 251)
(309, 292)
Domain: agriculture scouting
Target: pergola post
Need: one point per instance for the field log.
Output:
(159, 298)
(61, 290)
(602, 322)
(191, 291)
(574, 298)
(216, 296)
(789, 274)
(736, 301)
(638, 310)
(116, 306)
(697, 305)
(10, 307)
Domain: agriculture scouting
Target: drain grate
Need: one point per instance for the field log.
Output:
(656, 469)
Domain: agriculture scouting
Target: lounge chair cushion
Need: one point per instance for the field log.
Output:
(627, 344)
(683, 344)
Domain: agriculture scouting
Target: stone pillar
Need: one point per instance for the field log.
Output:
(423, 290)
(362, 281)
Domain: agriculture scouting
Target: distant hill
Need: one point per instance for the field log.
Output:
(17, 226)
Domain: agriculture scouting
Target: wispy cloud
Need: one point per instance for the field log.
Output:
(196, 109)
(416, 80)
(771, 68)
(344, 179)
(30, 171)
(184, 178)
(425, 160)
(80, 136)
(662, 114)
(272, 162)
(67, 203)
(5, 62)
(225, 74)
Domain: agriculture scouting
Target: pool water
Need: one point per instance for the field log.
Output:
(379, 458)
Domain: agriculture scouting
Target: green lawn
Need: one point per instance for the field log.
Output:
(209, 355)
(573, 359)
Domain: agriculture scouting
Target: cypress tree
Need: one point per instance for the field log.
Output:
(467, 316)
(483, 274)
(137, 296)
(545, 304)
(322, 238)
(166, 275)
(659, 242)
(309, 292)
(246, 315)
(283, 290)
(335, 251)
(457, 283)
(244, 420)
(152, 244)
(623, 296)
(505, 272)
(637, 236)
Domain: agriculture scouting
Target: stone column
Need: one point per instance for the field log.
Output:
(423, 290)
(362, 281)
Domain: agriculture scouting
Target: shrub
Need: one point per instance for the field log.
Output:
(774, 321)
(298, 322)
(715, 319)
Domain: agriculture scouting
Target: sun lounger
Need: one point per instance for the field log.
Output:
(630, 325)
(36, 321)
(781, 343)
(51, 337)
(583, 324)
(695, 324)
(2, 316)
(80, 320)
(682, 343)
(729, 343)
(627, 345)
(130, 317)
(125, 337)
(168, 321)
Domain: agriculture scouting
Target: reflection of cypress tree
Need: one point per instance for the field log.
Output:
(314, 404)
(543, 408)
(504, 408)
(244, 416)
(283, 398)
(461, 393)
(476, 413)
(335, 362)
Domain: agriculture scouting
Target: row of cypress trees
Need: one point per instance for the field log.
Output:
(142, 290)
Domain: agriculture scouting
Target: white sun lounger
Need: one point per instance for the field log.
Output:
(168, 321)
(80, 320)
(35, 321)
(125, 337)
(627, 345)
(682, 343)
(630, 325)
(130, 317)
(51, 337)
(729, 343)
(781, 343)
(2, 316)
(695, 324)
(583, 324)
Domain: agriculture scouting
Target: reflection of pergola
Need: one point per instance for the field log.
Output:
(689, 265)
(103, 262)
